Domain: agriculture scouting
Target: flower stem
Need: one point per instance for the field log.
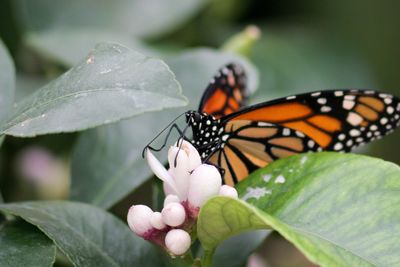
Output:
(206, 261)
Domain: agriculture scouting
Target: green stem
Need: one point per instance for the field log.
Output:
(206, 261)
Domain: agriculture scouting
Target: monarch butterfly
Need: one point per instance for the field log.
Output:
(240, 139)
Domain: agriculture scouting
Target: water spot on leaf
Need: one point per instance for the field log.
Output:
(256, 192)
(280, 179)
(105, 71)
(303, 160)
(267, 177)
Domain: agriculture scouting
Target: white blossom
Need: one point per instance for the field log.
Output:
(228, 191)
(173, 214)
(205, 182)
(177, 241)
(139, 219)
(170, 199)
(156, 221)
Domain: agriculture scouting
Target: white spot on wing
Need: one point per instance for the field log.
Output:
(286, 132)
(338, 93)
(355, 132)
(354, 119)
(338, 146)
(326, 109)
(316, 94)
(348, 104)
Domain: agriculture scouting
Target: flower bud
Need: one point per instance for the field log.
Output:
(177, 241)
(156, 221)
(205, 182)
(228, 191)
(171, 199)
(173, 214)
(139, 219)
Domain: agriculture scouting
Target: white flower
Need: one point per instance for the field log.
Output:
(177, 241)
(183, 158)
(205, 182)
(139, 219)
(173, 214)
(228, 191)
(159, 170)
(170, 199)
(156, 221)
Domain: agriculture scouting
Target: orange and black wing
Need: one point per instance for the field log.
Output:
(329, 120)
(226, 93)
(249, 145)
(335, 120)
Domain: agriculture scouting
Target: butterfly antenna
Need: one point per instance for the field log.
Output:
(170, 125)
(180, 139)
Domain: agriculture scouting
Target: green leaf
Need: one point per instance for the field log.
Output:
(87, 235)
(338, 209)
(107, 162)
(140, 18)
(7, 81)
(23, 244)
(69, 46)
(111, 84)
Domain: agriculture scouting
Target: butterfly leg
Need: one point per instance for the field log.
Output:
(173, 126)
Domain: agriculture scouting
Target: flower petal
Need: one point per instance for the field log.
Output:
(160, 171)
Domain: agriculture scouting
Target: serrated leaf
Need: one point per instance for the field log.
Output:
(140, 18)
(23, 244)
(338, 209)
(111, 84)
(87, 235)
(107, 162)
(7, 81)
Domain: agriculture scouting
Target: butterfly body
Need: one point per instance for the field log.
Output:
(207, 132)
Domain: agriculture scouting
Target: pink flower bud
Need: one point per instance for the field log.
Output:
(171, 199)
(156, 221)
(177, 241)
(228, 191)
(139, 219)
(173, 214)
(205, 182)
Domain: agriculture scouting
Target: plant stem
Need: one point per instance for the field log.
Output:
(206, 261)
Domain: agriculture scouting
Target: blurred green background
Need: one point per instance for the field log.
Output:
(305, 46)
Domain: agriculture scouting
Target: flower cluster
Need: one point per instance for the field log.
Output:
(188, 184)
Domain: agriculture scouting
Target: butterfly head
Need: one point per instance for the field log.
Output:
(206, 131)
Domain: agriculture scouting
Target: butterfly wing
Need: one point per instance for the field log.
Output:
(336, 119)
(329, 120)
(250, 145)
(226, 92)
